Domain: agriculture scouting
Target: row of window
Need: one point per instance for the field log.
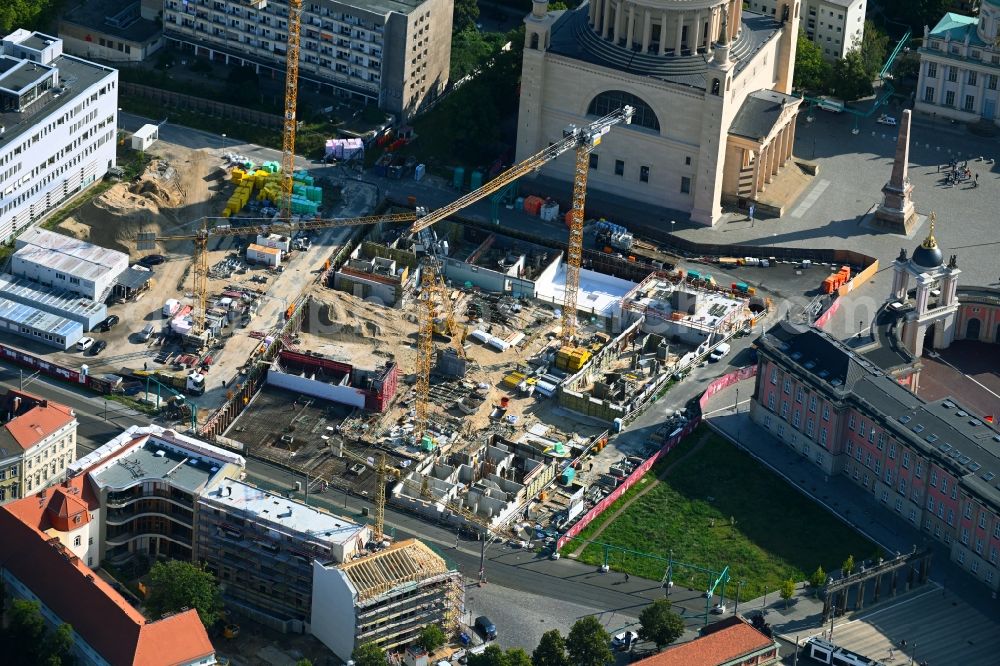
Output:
(23, 197)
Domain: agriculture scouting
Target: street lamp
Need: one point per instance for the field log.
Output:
(223, 142)
(861, 327)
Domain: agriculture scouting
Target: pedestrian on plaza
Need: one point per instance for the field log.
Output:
(626, 576)
(939, 168)
(892, 654)
(977, 179)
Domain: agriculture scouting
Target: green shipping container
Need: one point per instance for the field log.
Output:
(476, 180)
(458, 178)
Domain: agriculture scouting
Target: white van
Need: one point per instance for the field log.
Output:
(720, 352)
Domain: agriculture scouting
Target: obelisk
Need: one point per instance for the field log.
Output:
(896, 212)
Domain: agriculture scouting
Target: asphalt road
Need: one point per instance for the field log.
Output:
(521, 571)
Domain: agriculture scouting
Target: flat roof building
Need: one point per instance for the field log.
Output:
(53, 300)
(394, 54)
(68, 263)
(59, 118)
(112, 30)
(43, 327)
(262, 546)
(152, 469)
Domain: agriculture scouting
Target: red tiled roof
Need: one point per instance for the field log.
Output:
(105, 620)
(719, 647)
(40, 420)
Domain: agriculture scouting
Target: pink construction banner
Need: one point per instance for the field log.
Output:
(668, 445)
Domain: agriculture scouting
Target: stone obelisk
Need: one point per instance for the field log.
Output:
(896, 212)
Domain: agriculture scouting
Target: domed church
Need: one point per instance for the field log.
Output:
(710, 82)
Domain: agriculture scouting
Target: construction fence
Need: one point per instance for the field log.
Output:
(169, 99)
(672, 440)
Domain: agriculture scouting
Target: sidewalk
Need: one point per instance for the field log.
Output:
(844, 499)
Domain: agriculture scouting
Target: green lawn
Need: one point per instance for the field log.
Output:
(778, 533)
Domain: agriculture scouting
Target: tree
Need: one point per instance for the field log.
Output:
(812, 71)
(817, 580)
(518, 657)
(29, 642)
(874, 49)
(30, 14)
(551, 650)
(491, 656)
(850, 80)
(787, 590)
(659, 624)
(848, 566)
(916, 13)
(369, 654)
(57, 645)
(242, 85)
(588, 643)
(431, 637)
(465, 15)
(177, 584)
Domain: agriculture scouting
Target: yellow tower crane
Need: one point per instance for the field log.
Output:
(581, 139)
(383, 471)
(291, 107)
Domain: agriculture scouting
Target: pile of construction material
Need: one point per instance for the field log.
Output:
(266, 183)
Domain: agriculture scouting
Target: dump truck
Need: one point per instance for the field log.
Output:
(190, 382)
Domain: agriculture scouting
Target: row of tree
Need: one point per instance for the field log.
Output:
(848, 78)
(587, 644)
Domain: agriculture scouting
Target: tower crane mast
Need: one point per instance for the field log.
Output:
(291, 106)
(582, 139)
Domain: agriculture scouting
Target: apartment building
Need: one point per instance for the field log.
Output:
(933, 464)
(960, 66)
(835, 26)
(147, 481)
(37, 443)
(58, 118)
(261, 546)
(48, 547)
(392, 53)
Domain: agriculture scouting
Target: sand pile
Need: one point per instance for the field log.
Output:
(154, 204)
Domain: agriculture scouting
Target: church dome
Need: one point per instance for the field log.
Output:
(928, 254)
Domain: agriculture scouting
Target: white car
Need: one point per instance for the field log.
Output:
(83, 344)
(719, 609)
(623, 640)
(886, 119)
(720, 352)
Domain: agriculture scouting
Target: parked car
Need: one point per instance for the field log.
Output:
(719, 609)
(152, 260)
(886, 119)
(109, 323)
(623, 641)
(98, 347)
(720, 352)
(146, 333)
(485, 626)
(83, 344)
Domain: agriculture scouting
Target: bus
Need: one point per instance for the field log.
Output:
(824, 652)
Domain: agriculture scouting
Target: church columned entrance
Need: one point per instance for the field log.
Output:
(972, 329)
(929, 339)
